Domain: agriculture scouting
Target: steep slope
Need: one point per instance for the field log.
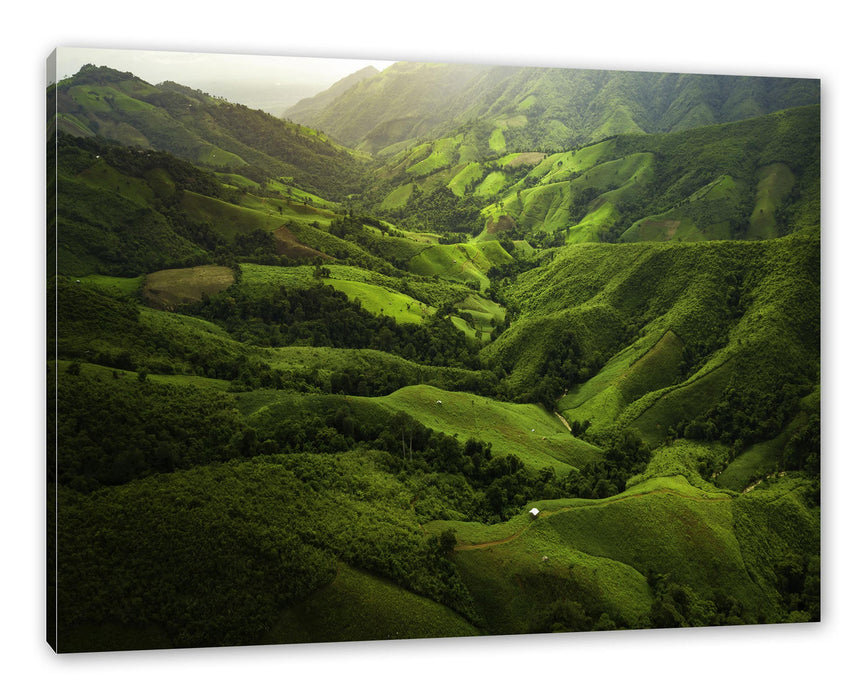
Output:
(197, 127)
(305, 108)
(723, 337)
(753, 179)
(529, 109)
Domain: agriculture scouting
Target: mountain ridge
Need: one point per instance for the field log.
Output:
(547, 108)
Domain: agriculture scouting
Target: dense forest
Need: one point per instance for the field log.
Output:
(546, 361)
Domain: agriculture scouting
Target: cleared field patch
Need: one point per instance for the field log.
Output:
(227, 219)
(515, 160)
(482, 314)
(101, 174)
(492, 184)
(168, 288)
(443, 153)
(526, 430)
(289, 245)
(378, 300)
(460, 262)
(497, 140)
(398, 198)
(106, 98)
(627, 377)
(465, 179)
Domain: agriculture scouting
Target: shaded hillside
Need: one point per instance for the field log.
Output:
(197, 127)
(717, 339)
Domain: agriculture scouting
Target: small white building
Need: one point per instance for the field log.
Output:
(534, 512)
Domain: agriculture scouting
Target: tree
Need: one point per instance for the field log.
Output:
(447, 541)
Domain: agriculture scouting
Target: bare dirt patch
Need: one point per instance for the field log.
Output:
(291, 247)
(668, 228)
(528, 158)
(503, 223)
(168, 289)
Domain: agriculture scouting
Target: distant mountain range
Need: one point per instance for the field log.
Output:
(544, 109)
(310, 106)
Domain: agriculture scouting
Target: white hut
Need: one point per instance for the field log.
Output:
(534, 512)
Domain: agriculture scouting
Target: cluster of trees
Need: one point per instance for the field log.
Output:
(749, 414)
(679, 605)
(211, 556)
(442, 210)
(625, 456)
(114, 430)
(323, 316)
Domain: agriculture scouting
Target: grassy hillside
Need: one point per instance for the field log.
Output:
(546, 109)
(539, 438)
(100, 101)
(650, 336)
(752, 179)
(296, 394)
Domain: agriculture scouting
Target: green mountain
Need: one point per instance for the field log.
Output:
(543, 109)
(201, 129)
(300, 111)
(297, 395)
(756, 178)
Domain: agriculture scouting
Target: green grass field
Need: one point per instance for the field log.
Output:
(227, 219)
(120, 286)
(602, 551)
(774, 184)
(538, 437)
(461, 262)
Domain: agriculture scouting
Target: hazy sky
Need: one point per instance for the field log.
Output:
(264, 82)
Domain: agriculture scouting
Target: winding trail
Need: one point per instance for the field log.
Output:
(562, 418)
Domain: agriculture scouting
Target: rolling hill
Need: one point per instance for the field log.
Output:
(100, 101)
(299, 394)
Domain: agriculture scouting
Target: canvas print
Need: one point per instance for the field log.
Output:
(356, 350)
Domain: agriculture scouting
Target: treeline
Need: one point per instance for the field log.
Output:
(747, 415)
(112, 431)
(323, 316)
(443, 211)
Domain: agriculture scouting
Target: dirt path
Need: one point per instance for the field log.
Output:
(562, 418)
(484, 545)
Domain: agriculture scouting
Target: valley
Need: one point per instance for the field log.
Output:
(308, 379)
